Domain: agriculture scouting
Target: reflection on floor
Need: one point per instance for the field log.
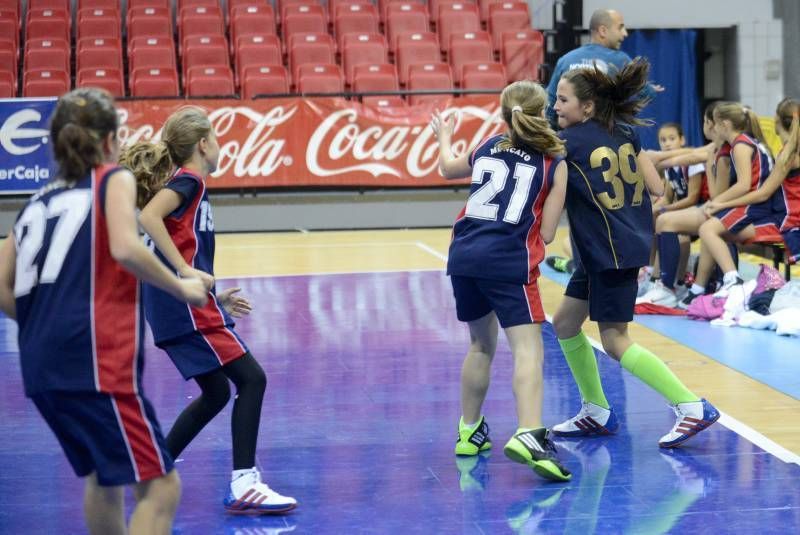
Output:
(359, 424)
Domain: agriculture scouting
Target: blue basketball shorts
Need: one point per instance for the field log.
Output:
(514, 304)
(115, 435)
(201, 352)
(611, 293)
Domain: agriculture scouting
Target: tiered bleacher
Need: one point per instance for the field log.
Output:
(249, 47)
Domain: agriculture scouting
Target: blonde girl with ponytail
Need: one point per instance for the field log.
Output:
(515, 201)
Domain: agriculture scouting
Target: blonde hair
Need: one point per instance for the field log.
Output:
(521, 105)
(153, 163)
(743, 119)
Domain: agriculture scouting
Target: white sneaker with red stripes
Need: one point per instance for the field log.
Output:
(249, 495)
(692, 417)
(591, 420)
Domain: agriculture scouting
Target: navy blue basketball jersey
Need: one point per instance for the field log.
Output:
(497, 234)
(78, 310)
(191, 227)
(608, 205)
(678, 178)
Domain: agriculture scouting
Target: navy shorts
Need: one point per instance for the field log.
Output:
(611, 293)
(201, 352)
(740, 217)
(792, 240)
(514, 304)
(115, 435)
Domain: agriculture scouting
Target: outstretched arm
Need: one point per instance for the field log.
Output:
(449, 165)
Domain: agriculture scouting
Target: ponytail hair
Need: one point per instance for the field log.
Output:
(151, 165)
(618, 97)
(521, 105)
(785, 112)
(82, 120)
(743, 119)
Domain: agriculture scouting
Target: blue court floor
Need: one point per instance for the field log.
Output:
(359, 424)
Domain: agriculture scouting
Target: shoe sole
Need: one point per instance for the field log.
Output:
(679, 443)
(483, 448)
(546, 469)
(254, 511)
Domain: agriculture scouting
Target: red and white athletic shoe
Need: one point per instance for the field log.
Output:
(591, 420)
(249, 495)
(692, 417)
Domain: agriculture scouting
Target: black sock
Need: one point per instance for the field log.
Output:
(251, 382)
(214, 395)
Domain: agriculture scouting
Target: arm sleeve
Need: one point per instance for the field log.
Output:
(186, 187)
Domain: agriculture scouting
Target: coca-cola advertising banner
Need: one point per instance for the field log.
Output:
(291, 142)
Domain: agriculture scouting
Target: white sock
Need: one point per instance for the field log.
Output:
(730, 277)
(696, 289)
(236, 474)
(240, 483)
(472, 427)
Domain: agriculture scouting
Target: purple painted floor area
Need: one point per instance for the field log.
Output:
(359, 424)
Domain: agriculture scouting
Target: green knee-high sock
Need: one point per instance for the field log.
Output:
(582, 362)
(650, 369)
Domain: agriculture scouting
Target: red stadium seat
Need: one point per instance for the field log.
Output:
(362, 49)
(483, 76)
(473, 47)
(12, 6)
(97, 22)
(416, 48)
(369, 78)
(256, 50)
(156, 82)
(148, 3)
(8, 85)
(200, 20)
(44, 83)
(522, 53)
(457, 19)
(303, 19)
(48, 59)
(49, 4)
(483, 8)
(429, 76)
(264, 80)
(99, 42)
(9, 29)
(251, 20)
(109, 79)
(57, 45)
(99, 4)
(232, 4)
(48, 23)
(333, 5)
(319, 79)
(194, 3)
(201, 51)
(310, 48)
(8, 63)
(99, 57)
(355, 18)
(405, 18)
(506, 17)
(149, 22)
(150, 42)
(436, 5)
(209, 81)
(152, 56)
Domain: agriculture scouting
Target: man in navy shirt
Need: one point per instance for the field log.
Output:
(608, 30)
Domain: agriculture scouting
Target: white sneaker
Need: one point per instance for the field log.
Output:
(692, 417)
(249, 495)
(659, 295)
(681, 291)
(644, 287)
(591, 420)
(726, 287)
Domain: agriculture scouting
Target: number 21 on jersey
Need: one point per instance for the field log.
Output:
(480, 205)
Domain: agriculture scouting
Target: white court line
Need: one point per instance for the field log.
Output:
(319, 245)
(741, 429)
(431, 250)
(323, 273)
(725, 419)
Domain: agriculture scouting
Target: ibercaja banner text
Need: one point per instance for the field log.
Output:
(287, 142)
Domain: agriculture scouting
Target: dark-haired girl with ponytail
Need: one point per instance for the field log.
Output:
(611, 223)
(515, 202)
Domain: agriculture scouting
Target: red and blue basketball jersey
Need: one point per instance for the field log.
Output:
(760, 162)
(790, 197)
(497, 234)
(607, 203)
(191, 227)
(78, 310)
